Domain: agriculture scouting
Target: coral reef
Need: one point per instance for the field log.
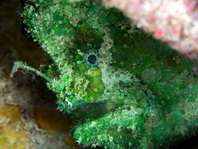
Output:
(28, 115)
(174, 22)
(123, 88)
(28, 119)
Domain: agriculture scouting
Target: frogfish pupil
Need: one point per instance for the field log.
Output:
(91, 59)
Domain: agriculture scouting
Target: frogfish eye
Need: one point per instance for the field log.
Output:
(92, 59)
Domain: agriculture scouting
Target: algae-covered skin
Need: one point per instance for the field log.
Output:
(125, 89)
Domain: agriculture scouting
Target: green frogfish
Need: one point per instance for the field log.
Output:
(123, 88)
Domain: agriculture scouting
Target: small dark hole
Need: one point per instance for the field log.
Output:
(92, 59)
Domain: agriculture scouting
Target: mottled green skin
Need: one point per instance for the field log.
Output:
(139, 94)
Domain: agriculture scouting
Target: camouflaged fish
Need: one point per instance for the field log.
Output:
(124, 88)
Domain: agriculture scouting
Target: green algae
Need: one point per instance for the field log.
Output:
(139, 94)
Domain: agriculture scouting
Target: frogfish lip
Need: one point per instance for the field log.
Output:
(90, 111)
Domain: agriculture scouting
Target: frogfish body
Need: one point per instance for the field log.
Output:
(123, 88)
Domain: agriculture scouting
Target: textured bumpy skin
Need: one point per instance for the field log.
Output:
(137, 94)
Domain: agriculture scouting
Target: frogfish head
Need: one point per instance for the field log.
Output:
(100, 55)
(85, 41)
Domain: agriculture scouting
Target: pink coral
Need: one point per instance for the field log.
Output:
(172, 21)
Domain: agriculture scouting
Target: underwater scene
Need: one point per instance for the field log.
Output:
(84, 74)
